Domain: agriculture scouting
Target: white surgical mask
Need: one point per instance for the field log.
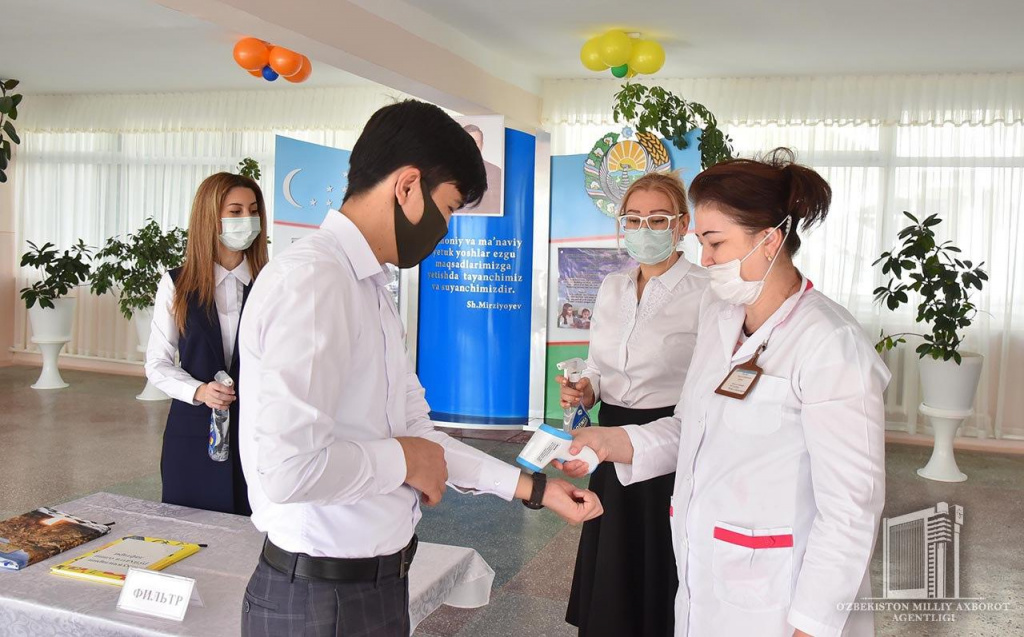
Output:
(649, 246)
(727, 283)
(238, 233)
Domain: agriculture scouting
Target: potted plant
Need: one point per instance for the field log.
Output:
(653, 108)
(944, 284)
(51, 310)
(131, 267)
(250, 168)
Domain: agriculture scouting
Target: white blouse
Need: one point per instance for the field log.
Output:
(161, 368)
(640, 352)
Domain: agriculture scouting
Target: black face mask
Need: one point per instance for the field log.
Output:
(416, 242)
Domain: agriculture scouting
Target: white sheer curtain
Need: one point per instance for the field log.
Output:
(947, 145)
(90, 167)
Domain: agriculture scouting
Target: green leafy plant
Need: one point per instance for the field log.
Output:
(8, 113)
(653, 108)
(62, 272)
(943, 282)
(250, 168)
(132, 266)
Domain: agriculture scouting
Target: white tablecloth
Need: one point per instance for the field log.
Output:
(36, 603)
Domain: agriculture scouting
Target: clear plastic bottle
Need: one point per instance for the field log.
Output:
(573, 371)
(220, 436)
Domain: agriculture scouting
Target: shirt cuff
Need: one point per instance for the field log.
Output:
(500, 478)
(187, 391)
(625, 471)
(387, 462)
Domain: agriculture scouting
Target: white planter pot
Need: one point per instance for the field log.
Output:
(143, 324)
(51, 328)
(52, 325)
(948, 392)
(948, 386)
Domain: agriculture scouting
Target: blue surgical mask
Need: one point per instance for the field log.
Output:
(649, 246)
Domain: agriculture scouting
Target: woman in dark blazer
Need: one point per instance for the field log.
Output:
(198, 307)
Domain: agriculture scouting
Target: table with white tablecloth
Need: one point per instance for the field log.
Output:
(36, 603)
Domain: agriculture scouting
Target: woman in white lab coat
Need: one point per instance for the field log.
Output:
(779, 484)
(641, 340)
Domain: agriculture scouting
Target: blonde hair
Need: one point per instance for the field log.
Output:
(668, 184)
(196, 279)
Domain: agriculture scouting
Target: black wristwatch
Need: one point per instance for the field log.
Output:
(540, 481)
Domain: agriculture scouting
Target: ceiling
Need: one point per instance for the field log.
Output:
(103, 46)
(740, 38)
(118, 46)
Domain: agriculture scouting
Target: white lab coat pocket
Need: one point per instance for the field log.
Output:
(753, 569)
(760, 413)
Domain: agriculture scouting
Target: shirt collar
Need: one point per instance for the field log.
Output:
(354, 245)
(241, 272)
(671, 278)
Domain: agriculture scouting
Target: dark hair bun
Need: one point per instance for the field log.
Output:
(808, 195)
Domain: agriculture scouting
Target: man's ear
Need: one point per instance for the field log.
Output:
(407, 185)
(410, 193)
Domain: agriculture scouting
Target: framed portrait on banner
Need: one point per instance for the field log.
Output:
(488, 131)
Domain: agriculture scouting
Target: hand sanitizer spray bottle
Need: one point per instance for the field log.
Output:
(574, 416)
(220, 440)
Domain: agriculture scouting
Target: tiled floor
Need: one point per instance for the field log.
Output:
(59, 445)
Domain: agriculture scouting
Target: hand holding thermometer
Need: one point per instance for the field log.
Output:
(549, 444)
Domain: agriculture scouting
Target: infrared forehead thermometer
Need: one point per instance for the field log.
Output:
(548, 444)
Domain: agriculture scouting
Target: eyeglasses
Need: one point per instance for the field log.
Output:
(654, 222)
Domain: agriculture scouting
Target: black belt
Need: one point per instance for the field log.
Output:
(336, 569)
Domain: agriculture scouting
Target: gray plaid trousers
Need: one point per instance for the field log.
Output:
(276, 606)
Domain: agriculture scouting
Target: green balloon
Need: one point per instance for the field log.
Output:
(620, 71)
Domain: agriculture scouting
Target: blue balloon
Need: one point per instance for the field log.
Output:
(269, 74)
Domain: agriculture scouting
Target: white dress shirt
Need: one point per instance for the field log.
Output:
(640, 352)
(801, 460)
(328, 388)
(161, 369)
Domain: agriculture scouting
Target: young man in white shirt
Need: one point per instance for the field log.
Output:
(336, 441)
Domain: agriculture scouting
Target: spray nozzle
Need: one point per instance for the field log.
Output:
(573, 369)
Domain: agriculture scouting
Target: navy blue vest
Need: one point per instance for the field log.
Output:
(190, 477)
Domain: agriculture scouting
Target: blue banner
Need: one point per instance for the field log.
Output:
(475, 305)
(310, 180)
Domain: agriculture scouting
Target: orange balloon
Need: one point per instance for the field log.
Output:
(285, 61)
(258, 73)
(304, 72)
(251, 54)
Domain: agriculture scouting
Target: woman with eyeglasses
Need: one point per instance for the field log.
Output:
(642, 335)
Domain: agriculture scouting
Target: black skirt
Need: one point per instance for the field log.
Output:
(625, 580)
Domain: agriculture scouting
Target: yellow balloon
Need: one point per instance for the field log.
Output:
(590, 54)
(615, 48)
(647, 57)
(630, 73)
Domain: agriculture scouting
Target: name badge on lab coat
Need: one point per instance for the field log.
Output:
(742, 377)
